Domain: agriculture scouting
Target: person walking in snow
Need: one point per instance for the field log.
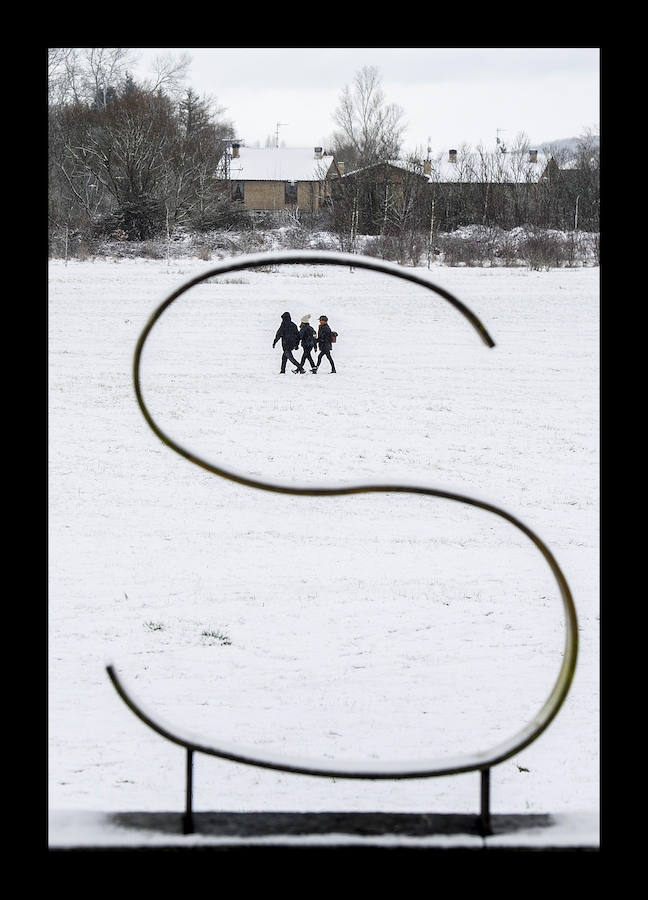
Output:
(288, 334)
(325, 344)
(308, 340)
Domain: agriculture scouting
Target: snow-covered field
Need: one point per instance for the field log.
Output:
(375, 626)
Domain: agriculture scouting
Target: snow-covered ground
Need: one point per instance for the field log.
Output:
(378, 626)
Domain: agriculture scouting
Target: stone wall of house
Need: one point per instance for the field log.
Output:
(271, 195)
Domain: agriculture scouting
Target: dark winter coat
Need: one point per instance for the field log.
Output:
(307, 337)
(324, 337)
(288, 333)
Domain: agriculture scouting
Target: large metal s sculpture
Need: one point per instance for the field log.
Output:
(480, 761)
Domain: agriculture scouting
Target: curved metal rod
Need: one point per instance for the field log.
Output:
(470, 762)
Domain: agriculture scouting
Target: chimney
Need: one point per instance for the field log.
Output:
(318, 152)
(533, 156)
(235, 151)
(452, 156)
(427, 167)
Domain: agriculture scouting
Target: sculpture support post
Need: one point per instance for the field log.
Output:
(187, 822)
(484, 818)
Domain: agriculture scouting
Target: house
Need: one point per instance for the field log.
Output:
(377, 195)
(514, 188)
(517, 167)
(488, 187)
(279, 178)
(455, 188)
(566, 171)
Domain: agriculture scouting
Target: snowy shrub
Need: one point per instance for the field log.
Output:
(476, 245)
(460, 250)
(322, 240)
(381, 247)
(574, 248)
(225, 214)
(265, 220)
(84, 250)
(506, 252)
(215, 241)
(152, 250)
(415, 246)
(470, 245)
(543, 250)
(296, 238)
(72, 243)
(251, 242)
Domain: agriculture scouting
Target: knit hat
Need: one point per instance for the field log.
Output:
(304, 319)
(323, 318)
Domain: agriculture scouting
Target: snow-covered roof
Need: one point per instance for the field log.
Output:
(279, 164)
(493, 167)
(514, 167)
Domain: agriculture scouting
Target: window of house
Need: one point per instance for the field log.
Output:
(290, 193)
(238, 190)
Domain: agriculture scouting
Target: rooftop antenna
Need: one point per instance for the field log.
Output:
(279, 125)
(499, 141)
(225, 160)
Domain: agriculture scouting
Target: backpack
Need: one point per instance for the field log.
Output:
(334, 335)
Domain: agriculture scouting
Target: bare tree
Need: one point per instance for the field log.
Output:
(518, 178)
(137, 165)
(93, 74)
(370, 129)
(105, 67)
(408, 213)
(191, 189)
(170, 74)
(586, 187)
(63, 74)
(344, 203)
(110, 160)
(452, 192)
(86, 74)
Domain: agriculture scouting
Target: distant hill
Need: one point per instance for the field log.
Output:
(569, 144)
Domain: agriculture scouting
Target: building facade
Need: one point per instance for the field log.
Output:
(279, 178)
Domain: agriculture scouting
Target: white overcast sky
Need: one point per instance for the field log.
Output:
(449, 95)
